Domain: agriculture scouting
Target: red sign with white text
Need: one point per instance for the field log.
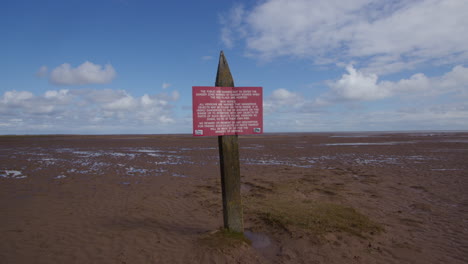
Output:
(219, 111)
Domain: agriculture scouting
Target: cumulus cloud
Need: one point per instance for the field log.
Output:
(386, 36)
(59, 96)
(418, 117)
(86, 73)
(283, 96)
(282, 100)
(416, 104)
(359, 86)
(76, 111)
(100, 97)
(126, 103)
(15, 98)
(23, 102)
(42, 72)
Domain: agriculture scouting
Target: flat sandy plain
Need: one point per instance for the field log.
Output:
(157, 199)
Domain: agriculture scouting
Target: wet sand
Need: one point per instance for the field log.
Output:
(154, 199)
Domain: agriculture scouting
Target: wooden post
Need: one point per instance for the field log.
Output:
(229, 163)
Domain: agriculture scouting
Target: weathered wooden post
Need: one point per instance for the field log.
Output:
(226, 111)
(229, 162)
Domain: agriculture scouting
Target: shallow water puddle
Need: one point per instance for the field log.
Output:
(147, 150)
(86, 154)
(259, 240)
(174, 160)
(135, 171)
(351, 136)
(245, 187)
(369, 143)
(179, 175)
(155, 154)
(253, 146)
(12, 174)
(250, 161)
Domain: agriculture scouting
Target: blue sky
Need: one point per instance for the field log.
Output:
(127, 66)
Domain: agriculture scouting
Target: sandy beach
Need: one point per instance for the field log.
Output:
(308, 198)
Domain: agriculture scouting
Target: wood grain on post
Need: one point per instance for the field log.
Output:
(229, 163)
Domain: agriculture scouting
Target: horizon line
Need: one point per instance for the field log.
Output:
(269, 133)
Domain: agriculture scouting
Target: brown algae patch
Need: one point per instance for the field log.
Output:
(318, 218)
(223, 238)
(285, 210)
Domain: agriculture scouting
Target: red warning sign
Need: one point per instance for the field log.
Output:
(219, 111)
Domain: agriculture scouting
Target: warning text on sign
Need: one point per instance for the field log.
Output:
(221, 111)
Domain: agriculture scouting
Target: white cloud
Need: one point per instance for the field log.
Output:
(450, 116)
(419, 102)
(457, 79)
(100, 96)
(126, 103)
(175, 95)
(232, 25)
(60, 95)
(282, 100)
(86, 111)
(359, 86)
(283, 96)
(419, 117)
(42, 72)
(146, 100)
(86, 73)
(166, 85)
(13, 101)
(14, 98)
(386, 36)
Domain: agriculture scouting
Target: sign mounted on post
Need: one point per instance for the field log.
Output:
(219, 111)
